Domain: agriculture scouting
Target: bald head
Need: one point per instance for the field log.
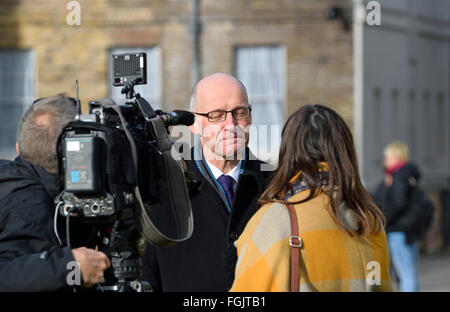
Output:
(216, 86)
(224, 138)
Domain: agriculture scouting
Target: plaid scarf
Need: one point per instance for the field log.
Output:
(301, 184)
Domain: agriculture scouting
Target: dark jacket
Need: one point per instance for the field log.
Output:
(206, 261)
(394, 200)
(30, 257)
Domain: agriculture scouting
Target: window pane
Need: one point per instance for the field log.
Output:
(17, 92)
(262, 70)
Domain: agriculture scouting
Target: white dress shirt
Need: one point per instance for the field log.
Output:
(234, 173)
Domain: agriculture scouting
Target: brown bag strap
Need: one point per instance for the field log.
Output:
(295, 242)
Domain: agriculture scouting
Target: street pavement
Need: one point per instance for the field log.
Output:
(434, 272)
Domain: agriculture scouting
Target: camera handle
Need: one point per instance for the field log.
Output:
(128, 89)
(136, 100)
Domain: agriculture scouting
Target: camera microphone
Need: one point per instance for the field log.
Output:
(177, 117)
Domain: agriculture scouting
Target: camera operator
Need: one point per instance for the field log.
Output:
(31, 258)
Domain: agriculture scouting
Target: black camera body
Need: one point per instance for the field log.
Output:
(95, 152)
(98, 179)
(100, 175)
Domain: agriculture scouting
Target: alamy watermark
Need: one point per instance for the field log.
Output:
(230, 143)
(74, 276)
(374, 13)
(74, 15)
(373, 278)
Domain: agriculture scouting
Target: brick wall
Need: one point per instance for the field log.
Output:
(319, 52)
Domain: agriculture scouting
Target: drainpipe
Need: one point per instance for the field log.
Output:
(195, 28)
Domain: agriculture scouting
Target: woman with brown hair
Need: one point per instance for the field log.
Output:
(342, 243)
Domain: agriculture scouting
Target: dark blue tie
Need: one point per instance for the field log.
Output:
(227, 183)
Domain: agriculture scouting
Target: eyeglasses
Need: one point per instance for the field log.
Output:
(239, 113)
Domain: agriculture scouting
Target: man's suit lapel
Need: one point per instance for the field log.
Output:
(250, 184)
(204, 173)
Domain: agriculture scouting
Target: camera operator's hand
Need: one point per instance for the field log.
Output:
(92, 264)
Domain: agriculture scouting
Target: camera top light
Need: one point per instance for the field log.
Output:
(129, 67)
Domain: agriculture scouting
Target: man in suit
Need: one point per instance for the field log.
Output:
(230, 180)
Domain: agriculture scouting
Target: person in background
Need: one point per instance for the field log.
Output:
(341, 228)
(392, 195)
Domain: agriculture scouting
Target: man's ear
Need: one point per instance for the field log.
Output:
(17, 148)
(195, 129)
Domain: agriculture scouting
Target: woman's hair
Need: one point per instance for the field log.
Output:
(400, 149)
(315, 134)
